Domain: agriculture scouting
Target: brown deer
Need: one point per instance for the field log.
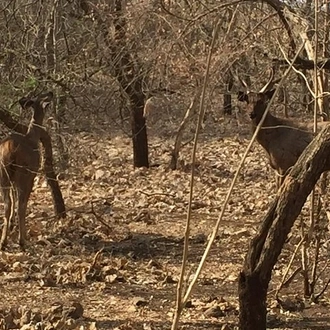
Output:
(283, 140)
(19, 164)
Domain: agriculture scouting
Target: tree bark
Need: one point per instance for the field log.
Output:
(45, 139)
(52, 182)
(266, 246)
(131, 80)
(227, 106)
(139, 128)
(252, 295)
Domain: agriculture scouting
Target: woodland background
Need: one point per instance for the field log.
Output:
(124, 74)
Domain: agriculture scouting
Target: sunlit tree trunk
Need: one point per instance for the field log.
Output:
(131, 81)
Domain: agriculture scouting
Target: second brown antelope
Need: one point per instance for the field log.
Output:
(19, 164)
(284, 140)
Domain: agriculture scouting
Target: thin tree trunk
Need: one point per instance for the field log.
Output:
(139, 129)
(51, 67)
(325, 55)
(131, 80)
(227, 106)
(48, 169)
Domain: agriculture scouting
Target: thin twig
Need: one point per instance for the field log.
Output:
(289, 266)
(99, 218)
(179, 302)
(292, 276)
(96, 257)
(156, 194)
(317, 296)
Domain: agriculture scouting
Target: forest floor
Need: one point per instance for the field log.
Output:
(114, 262)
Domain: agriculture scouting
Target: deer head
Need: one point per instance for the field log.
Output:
(257, 101)
(42, 100)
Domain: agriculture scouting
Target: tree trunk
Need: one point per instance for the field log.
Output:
(266, 246)
(55, 24)
(252, 296)
(227, 107)
(325, 55)
(139, 131)
(129, 76)
(52, 182)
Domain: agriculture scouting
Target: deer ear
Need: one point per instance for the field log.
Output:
(45, 99)
(243, 97)
(25, 102)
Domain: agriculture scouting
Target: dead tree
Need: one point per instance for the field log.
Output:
(266, 246)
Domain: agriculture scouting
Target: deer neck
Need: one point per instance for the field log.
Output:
(268, 131)
(35, 127)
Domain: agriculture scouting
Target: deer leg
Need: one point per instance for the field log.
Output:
(9, 205)
(23, 197)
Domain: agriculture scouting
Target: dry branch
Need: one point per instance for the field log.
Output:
(301, 63)
(177, 145)
(282, 10)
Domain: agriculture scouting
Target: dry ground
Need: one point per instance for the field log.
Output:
(118, 253)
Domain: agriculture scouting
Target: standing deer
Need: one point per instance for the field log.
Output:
(19, 163)
(283, 140)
